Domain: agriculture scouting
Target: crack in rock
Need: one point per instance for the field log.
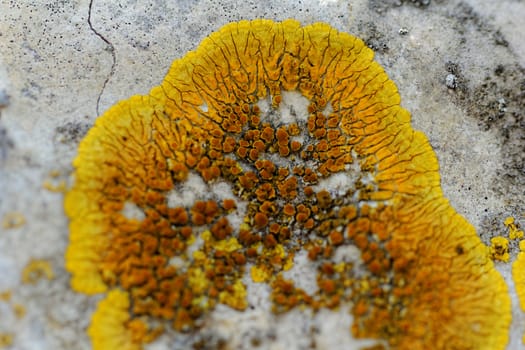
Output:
(111, 48)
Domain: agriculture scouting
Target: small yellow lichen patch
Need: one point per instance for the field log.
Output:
(514, 229)
(6, 340)
(236, 297)
(13, 220)
(19, 310)
(55, 187)
(499, 249)
(52, 184)
(260, 274)
(37, 269)
(6, 295)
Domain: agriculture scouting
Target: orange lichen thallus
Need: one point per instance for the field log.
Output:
(270, 139)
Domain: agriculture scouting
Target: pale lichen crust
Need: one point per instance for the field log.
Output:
(269, 140)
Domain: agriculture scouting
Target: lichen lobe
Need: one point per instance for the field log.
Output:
(223, 180)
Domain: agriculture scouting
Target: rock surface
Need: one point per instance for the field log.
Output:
(459, 67)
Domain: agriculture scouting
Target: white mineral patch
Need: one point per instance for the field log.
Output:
(222, 190)
(179, 262)
(328, 109)
(265, 106)
(258, 293)
(296, 328)
(303, 273)
(236, 218)
(338, 322)
(185, 194)
(352, 255)
(367, 178)
(299, 138)
(204, 107)
(337, 184)
(131, 211)
(347, 254)
(293, 107)
(253, 323)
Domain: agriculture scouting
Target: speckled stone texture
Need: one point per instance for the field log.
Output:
(459, 67)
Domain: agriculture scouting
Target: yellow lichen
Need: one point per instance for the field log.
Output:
(6, 295)
(19, 310)
(514, 229)
(499, 248)
(55, 187)
(169, 254)
(6, 340)
(112, 327)
(260, 273)
(7, 337)
(518, 274)
(236, 298)
(37, 269)
(13, 220)
(53, 184)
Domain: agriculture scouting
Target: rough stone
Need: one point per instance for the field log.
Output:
(62, 63)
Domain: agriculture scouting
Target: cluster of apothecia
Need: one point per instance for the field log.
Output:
(269, 140)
